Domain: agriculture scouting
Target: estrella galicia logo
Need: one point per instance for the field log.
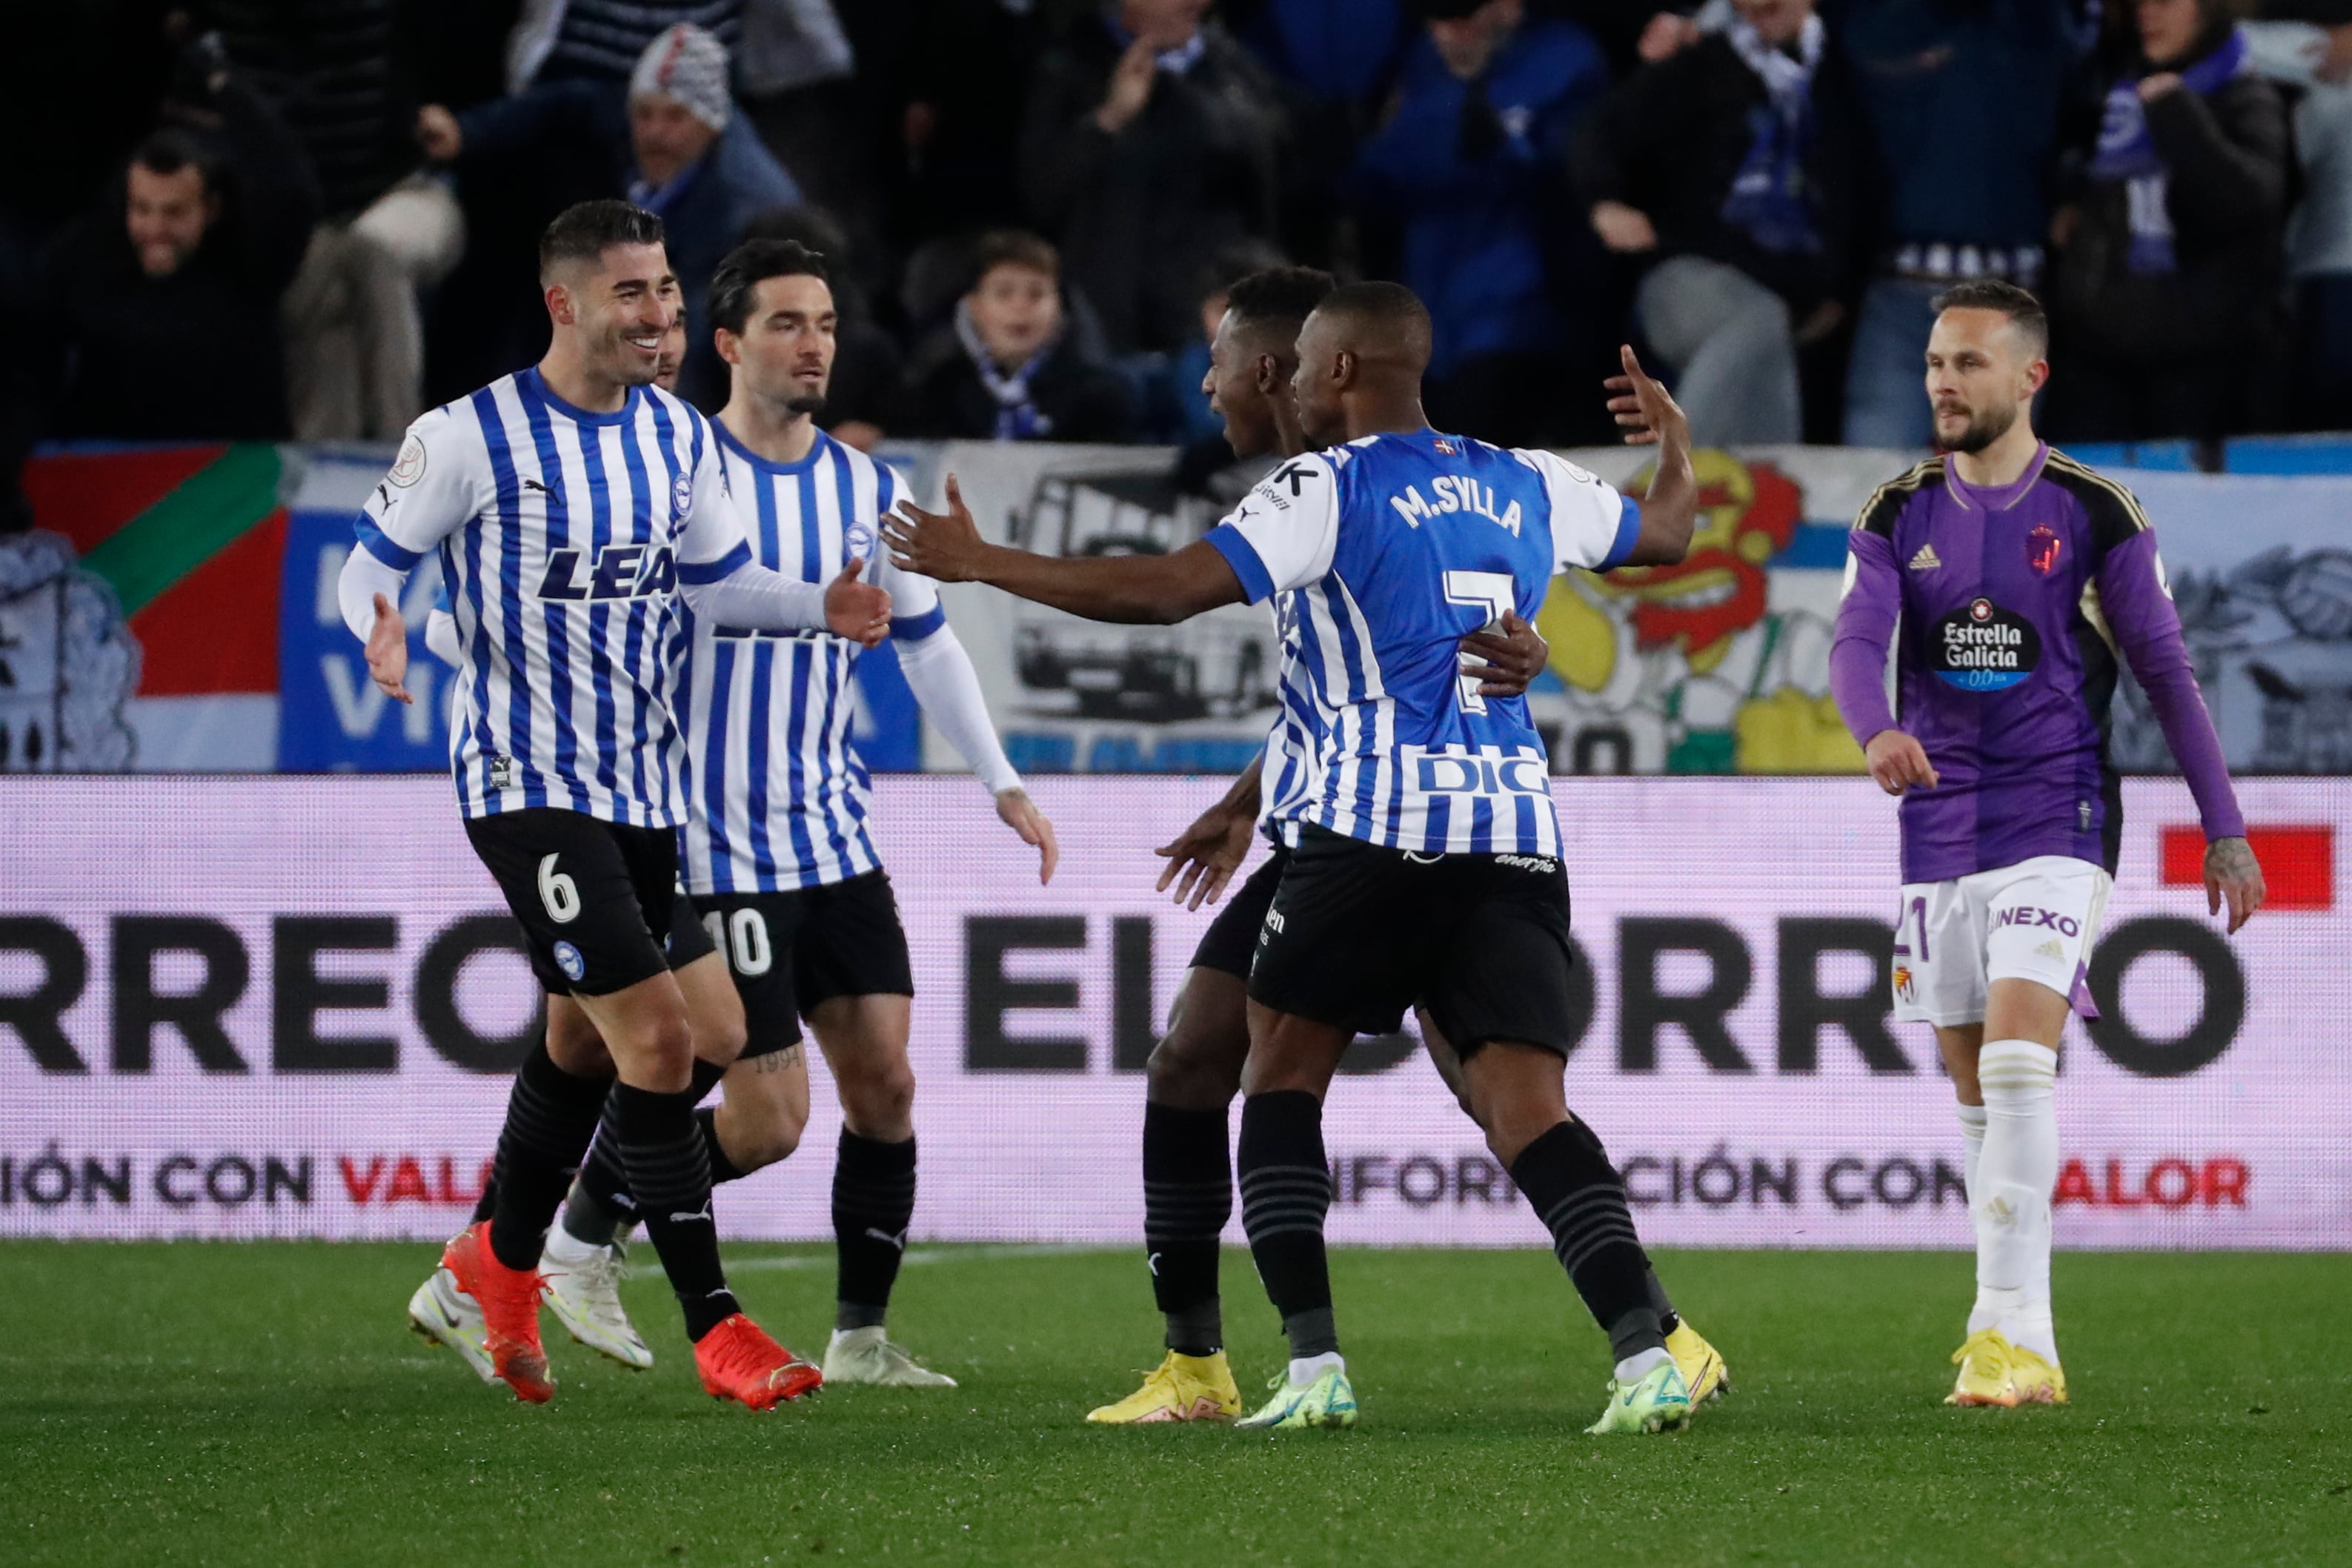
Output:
(568, 959)
(1982, 648)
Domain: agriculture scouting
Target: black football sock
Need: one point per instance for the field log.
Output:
(1285, 1191)
(600, 1204)
(661, 1148)
(873, 1204)
(1576, 1193)
(1188, 1197)
(488, 1204)
(551, 1116)
(1661, 1303)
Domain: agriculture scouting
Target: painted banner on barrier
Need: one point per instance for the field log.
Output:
(202, 630)
(287, 1007)
(1719, 665)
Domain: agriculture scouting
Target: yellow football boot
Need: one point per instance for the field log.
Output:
(1701, 1364)
(1181, 1388)
(1988, 1363)
(2037, 1382)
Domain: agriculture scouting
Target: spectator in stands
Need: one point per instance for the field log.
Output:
(1960, 108)
(2307, 46)
(1469, 162)
(1007, 369)
(1736, 148)
(355, 335)
(2166, 281)
(1150, 144)
(674, 144)
(160, 311)
(603, 40)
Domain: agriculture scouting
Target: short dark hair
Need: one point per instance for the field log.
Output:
(2023, 310)
(170, 150)
(1013, 248)
(584, 231)
(736, 283)
(1278, 294)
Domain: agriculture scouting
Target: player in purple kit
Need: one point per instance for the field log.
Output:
(2019, 579)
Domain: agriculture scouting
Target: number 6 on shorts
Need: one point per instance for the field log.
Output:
(558, 892)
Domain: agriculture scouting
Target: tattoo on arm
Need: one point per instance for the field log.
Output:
(2230, 857)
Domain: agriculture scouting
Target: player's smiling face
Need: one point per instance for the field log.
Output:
(622, 306)
(785, 349)
(1235, 395)
(1982, 374)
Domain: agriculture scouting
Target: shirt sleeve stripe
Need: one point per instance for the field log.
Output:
(915, 628)
(380, 545)
(727, 566)
(1227, 540)
(1629, 530)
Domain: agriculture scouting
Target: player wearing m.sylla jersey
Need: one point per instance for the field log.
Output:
(2021, 580)
(573, 507)
(1427, 867)
(1194, 1072)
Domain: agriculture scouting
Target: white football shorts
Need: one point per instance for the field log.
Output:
(2036, 920)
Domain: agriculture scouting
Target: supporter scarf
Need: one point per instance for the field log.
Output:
(2127, 154)
(1017, 417)
(1766, 199)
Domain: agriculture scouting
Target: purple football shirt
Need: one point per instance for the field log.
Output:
(2015, 606)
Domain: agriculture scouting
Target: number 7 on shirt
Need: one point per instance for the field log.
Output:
(1493, 593)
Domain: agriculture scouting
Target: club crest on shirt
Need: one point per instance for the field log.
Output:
(1982, 648)
(409, 466)
(681, 497)
(856, 542)
(2041, 548)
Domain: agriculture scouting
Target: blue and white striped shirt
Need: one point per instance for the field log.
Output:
(563, 535)
(1387, 553)
(779, 793)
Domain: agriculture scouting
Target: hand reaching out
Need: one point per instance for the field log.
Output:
(943, 546)
(1645, 410)
(856, 610)
(1019, 813)
(1207, 853)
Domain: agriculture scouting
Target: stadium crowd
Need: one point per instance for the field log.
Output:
(313, 218)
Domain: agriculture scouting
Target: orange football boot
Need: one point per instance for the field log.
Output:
(510, 1301)
(739, 1361)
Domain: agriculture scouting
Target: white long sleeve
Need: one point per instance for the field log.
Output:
(939, 673)
(754, 599)
(363, 577)
(441, 636)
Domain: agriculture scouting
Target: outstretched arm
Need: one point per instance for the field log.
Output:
(939, 673)
(1213, 849)
(1131, 590)
(1649, 416)
(2138, 607)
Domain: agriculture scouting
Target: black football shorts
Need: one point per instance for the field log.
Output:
(1231, 942)
(1357, 933)
(590, 894)
(790, 950)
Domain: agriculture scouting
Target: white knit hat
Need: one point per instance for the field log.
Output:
(689, 64)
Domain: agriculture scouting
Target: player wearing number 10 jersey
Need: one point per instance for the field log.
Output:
(573, 505)
(1427, 867)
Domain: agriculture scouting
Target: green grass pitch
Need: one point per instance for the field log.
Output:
(212, 1404)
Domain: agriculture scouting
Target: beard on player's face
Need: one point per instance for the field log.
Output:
(1985, 427)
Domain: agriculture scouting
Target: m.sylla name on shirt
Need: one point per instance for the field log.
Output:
(1454, 492)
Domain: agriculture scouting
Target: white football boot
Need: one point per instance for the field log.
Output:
(867, 1355)
(448, 1316)
(580, 1282)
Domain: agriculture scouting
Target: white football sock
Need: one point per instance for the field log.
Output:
(565, 1247)
(2010, 1197)
(1639, 1365)
(1305, 1370)
(1973, 1126)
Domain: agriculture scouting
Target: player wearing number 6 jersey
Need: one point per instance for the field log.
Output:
(1427, 864)
(2019, 579)
(573, 507)
(776, 847)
